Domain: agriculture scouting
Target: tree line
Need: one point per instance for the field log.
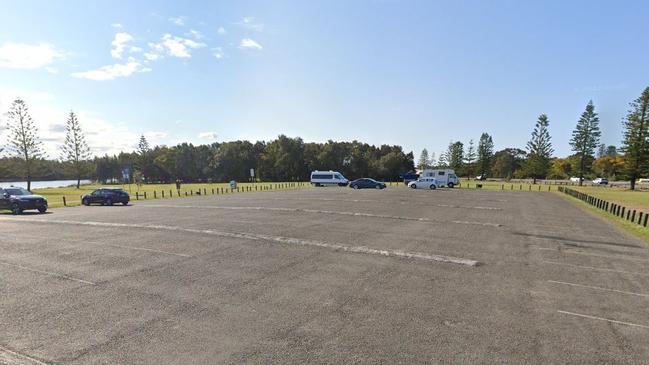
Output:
(292, 159)
(590, 158)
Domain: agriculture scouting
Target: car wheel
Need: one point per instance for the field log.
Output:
(86, 202)
(378, 187)
(125, 203)
(16, 209)
(413, 186)
(109, 202)
(450, 185)
(433, 187)
(356, 187)
(42, 210)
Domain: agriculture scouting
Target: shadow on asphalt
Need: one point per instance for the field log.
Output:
(575, 240)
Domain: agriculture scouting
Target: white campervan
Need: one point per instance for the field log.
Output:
(444, 177)
(325, 178)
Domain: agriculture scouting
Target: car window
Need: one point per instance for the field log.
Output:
(96, 193)
(17, 191)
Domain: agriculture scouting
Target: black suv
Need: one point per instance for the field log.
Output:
(106, 196)
(19, 199)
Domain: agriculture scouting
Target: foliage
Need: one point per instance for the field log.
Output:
(485, 153)
(75, 148)
(506, 162)
(23, 138)
(636, 138)
(424, 162)
(539, 150)
(585, 138)
(455, 155)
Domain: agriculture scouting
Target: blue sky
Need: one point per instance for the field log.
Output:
(414, 73)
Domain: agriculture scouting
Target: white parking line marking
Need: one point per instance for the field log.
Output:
(596, 268)
(598, 288)
(14, 358)
(380, 201)
(605, 319)
(573, 252)
(62, 276)
(279, 239)
(354, 214)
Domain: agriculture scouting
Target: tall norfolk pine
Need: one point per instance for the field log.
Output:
(539, 149)
(585, 138)
(635, 144)
(23, 138)
(75, 148)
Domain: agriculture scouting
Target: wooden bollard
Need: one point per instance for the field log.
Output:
(163, 194)
(155, 195)
(212, 191)
(145, 195)
(137, 195)
(64, 202)
(204, 191)
(633, 216)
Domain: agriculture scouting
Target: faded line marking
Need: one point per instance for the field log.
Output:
(279, 239)
(380, 201)
(135, 248)
(596, 268)
(605, 319)
(598, 288)
(572, 252)
(317, 211)
(62, 276)
(14, 358)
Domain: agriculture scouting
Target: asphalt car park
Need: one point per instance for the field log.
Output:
(327, 275)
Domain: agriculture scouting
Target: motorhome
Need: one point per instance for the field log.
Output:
(444, 177)
(326, 178)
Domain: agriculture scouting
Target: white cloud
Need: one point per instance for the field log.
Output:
(52, 70)
(248, 43)
(196, 34)
(207, 135)
(135, 49)
(111, 72)
(156, 135)
(173, 46)
(119, 44)
(221, 31)
(116, 25)
(249, 23)
(218, 53)
(50, 118)
(28, 56)
(178, 20)
(150, 56)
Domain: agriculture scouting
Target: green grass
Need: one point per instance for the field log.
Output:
(506, 186)
(638, 200)
(73, 195)
(633, 228)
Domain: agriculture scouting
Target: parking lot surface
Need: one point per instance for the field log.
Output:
(324, 275)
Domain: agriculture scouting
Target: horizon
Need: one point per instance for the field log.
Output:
(417, 75)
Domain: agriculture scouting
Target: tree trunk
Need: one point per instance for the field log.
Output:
(581, 171)
(633, 182)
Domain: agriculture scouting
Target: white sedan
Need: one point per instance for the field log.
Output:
(423, 183)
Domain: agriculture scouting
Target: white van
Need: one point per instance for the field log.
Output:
(444, 177)
(325, 178)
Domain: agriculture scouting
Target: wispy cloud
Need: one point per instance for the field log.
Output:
(118, 45)
(156, 135)
(221, 31)
(250, 23)
(28, 56)
(173, 46)
(178, 20)
(208, 135)
(248, 43)
(117, 25)
(218, 53)
(196, 34)
(111, 72)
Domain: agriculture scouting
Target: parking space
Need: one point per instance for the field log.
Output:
(328, 275)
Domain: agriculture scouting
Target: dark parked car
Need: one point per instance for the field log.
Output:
(19, 199)
(106, 197)
(366, 183)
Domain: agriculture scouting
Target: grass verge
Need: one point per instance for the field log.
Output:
(633, 229)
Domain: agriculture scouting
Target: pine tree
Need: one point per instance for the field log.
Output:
(636, 138)
(456, 155)
(143, 150)
(424, 162)
(485, 153)
(601, 150)
(470, 155)
(585, 138)
(75, 148)
(143, 146)
(539, 149)
(23, 137)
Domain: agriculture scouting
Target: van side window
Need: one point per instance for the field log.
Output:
(441, 173)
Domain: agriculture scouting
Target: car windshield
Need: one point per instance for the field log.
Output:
(17, 191)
